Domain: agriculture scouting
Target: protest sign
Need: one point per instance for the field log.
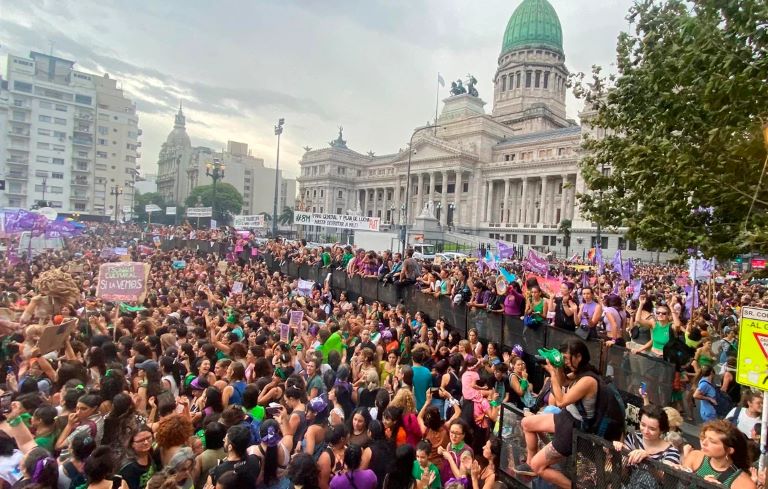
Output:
(152, 208)
(294, 321)
(170, 211)
(123, 281)
(249, 222)
(343, 221)
(237, 287)
(179, 265)
(199, 211)
(285, 333)
(53, 337)
(535, 263)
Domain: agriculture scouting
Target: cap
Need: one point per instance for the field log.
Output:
(554, 356)
(318, 404)
(518, 350)
(199, 384)
(147, 365)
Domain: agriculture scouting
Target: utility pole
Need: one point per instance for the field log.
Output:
(278, 132)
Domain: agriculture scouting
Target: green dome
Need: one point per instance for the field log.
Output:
(533, 24)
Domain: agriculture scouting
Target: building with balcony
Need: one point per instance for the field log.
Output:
(67, 136)
(182, 167)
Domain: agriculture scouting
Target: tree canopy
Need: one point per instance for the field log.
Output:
(228, 200)
(680, 128)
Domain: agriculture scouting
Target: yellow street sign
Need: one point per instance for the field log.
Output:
(752, 359)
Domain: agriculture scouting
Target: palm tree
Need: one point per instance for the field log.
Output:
(267, 217)
(565, 230)
(286, 217)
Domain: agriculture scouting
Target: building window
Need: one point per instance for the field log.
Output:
(546, 79)
(338, 210)
(533, 240)
(22, 86)
(43, 146)
(101, 154)
(517, 83)
(451, 188)
(61, 108)
(60, 121)
(44, 118)
(528, 76)
(525, 239)
(57, 161)
(465, 186)
(45, 105)
(83, 99)
(514, 238)
(545, 240)
(622, 243)
(506, 157)
(43, 132)
(503, 83)
(79, 206)
(57, 176)
(341, 194)
(103, 130)
(632, 245)
(538, 78)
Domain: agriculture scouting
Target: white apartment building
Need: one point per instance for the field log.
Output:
(182, 167)
(71, 137)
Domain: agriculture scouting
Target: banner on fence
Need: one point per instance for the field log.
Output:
(199, 211)
(123, 281)
(249, 222)
(152, 208)
(343, 221)
(170, 211)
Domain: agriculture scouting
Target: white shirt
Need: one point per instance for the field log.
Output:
(745, 423)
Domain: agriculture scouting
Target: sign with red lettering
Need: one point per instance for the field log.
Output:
(123, 281)
(758, 263)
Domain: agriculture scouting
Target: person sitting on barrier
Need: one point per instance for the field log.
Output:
(649, 441)
(574, 390)
(723, 458)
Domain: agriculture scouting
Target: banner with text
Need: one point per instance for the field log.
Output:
(249, 222)
(123, 281)
(199, 211)
(170, 211)
(343, 221)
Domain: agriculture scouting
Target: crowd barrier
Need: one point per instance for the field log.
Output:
(595, 463)
(627, 370)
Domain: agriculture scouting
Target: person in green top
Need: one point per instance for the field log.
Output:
(43, 423)
(330, 341)
(662, 330)
(348, 255)
(422, 464)
(326, 257)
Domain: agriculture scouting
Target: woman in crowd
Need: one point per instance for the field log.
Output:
(723, 458)
(649, 441)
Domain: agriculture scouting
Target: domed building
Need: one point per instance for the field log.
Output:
(511, 174)
(173, 162)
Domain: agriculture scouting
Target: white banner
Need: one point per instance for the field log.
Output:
(214, 224)
(199, 212)
(170, 211)
(343, 221)
(152, 208)
(249, 222)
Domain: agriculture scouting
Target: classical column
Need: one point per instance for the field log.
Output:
(375, 192)
(489, 201)
(457, 191)
(523, 202)
(431, 195)
(513, 205)
(505, 204)
(419, 195)
(564, 199)
(543, 196)
(444, 200)
(396, 199)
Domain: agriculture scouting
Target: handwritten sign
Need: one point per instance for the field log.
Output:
(237, 288)
(294, 321)
(123, 281)
(285, 333)
(53, 337)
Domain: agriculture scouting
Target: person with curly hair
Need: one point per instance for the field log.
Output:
(172, 434)
(303, 472)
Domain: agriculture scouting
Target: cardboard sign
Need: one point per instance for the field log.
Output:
(294, 321)
(123, 281)
(222, 266)
(285, 333)
(237, 288)
(53, 337)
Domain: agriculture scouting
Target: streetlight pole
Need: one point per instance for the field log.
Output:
(117, 192)
(278, 132)
(215, 170)
(599, 243)
(404, 223)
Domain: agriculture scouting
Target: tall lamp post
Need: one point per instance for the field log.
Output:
(117, 192)
(451, 215)
(215, 170)
(278, 132)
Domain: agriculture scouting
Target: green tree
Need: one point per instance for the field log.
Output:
(286, 217)
(228, 200)
(565, 230)
(682, 156)
(267, 216)
(142, 200)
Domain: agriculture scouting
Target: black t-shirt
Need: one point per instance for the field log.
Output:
(247, 469)
(136, 475)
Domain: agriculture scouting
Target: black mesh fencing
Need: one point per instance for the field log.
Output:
(369, 289)
(455, 315)
(339, 280)
(513, 451)
(489, 325)
(597, 464)
(629, 370)
(354, 286)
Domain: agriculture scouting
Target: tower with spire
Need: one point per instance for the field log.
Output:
(173, 161)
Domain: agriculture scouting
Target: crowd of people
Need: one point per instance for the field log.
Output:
(227, 374)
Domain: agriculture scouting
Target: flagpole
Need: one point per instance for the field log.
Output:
(437, 99)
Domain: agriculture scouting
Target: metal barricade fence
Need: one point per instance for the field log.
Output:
(557, 337)
(513, 451)
(369, 289)
(489, 325)
(354, 284)
(455, 315)
(597, 464)
(629, 370)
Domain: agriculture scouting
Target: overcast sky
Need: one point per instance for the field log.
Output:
(238, 66)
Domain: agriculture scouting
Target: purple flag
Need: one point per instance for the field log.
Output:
(599, 260)
(20, 220)
(535, 263)
(490, 260)
(691, 300)
(637, 286)
(627, 270)
(584, 279)
(504, 250)
(617, 263)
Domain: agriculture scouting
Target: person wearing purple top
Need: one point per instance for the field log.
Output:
(590, 312)
(514, 302)
(352, 477)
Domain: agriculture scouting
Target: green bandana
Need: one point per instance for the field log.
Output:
(25, 417)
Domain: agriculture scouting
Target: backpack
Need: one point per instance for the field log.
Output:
(724, 402)
(734, 420)
(76, 479)
(610, 411)
(254, 425)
